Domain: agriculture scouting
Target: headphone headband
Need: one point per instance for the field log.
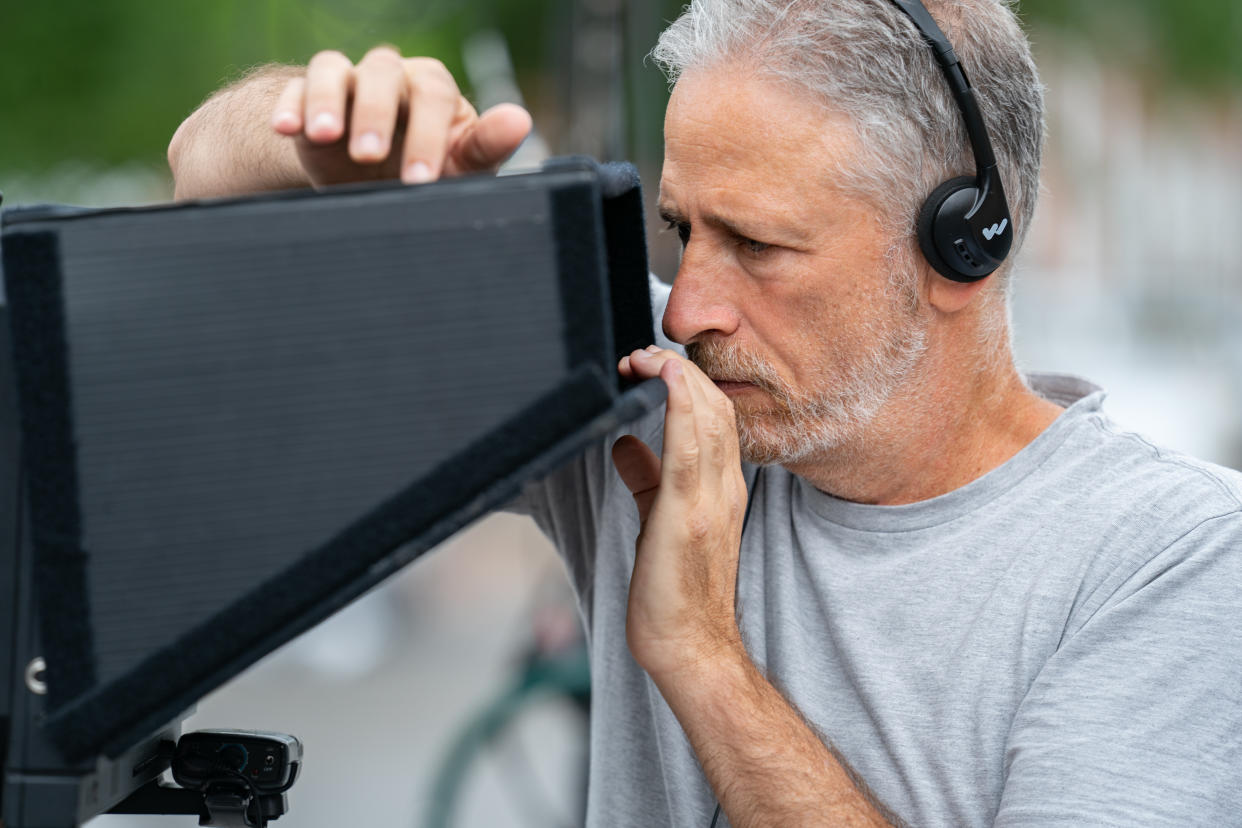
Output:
(959, 84)
(973, 251)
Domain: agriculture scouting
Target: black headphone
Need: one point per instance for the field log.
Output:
(964, 228)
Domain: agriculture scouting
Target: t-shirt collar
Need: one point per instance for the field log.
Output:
(1081, 400)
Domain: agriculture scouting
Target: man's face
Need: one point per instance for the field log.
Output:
(785, 295)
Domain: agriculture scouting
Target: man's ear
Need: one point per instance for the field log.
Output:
(948, 296)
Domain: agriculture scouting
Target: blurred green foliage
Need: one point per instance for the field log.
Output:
(1185, 43)
(105, 81)
(109, 80)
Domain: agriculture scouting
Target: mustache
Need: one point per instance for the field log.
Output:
(724, 361)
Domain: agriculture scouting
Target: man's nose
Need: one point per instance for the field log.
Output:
(699, 304)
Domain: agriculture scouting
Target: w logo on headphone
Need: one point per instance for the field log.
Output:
(995, 230)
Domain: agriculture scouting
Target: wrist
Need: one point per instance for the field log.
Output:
(692, 663)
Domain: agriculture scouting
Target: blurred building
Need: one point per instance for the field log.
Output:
(1133, 273)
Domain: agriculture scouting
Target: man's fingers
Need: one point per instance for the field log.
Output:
(645, 363)
(680, 461)
(329, 77)
(388, 101)
(639, 469)
(706, 417)
(493, 137)
(433, 104)
(379, 88)
(715, 421)
(287, 115)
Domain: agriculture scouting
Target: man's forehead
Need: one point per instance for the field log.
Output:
(733, 129)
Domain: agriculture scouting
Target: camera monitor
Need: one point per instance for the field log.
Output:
(237, 416)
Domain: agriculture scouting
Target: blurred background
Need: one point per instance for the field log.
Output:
(454, 694)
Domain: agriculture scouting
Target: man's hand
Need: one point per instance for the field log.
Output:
(391, 117)
(387, 117)
(765, 764)
(691, 502)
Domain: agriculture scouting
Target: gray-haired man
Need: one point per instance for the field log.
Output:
(962, 597)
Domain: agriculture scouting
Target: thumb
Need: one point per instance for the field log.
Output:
(639, 469)
(492, 138)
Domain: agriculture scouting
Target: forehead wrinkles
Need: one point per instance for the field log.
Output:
(740, 131)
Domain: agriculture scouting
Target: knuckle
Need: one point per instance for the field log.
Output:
(383, 55)
(737, 500)
(688, 458)
(698, 528)
(431, 67)
(433, 90)
(330, 59)
(715, 431)
(433, 78)
(372, 113)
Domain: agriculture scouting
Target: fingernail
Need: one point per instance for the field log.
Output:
(655, 349)
(417, 173)
(285, 120)
(324, 122)
(369, 143)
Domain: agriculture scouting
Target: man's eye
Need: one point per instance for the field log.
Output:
(683, 231)
(753, 246)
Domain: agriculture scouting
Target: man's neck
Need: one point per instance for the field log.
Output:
(936, 435)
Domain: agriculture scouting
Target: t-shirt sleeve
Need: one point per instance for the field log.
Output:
(1137, 718)
(568, 504)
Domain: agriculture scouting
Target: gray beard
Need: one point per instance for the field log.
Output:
(806, 423)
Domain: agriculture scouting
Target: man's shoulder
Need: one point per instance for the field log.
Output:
(1126, 511)
(1166, 533)
(1110, 514)
(1106, 465)
(1139, 475)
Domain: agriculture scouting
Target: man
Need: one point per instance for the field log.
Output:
(874, 574)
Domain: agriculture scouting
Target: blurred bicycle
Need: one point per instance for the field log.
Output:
(552, 678)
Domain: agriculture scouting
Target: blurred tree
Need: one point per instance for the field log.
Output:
(1185, 42)
(106, 81)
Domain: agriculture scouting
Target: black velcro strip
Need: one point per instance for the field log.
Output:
(33, 282)
(627, 260)
(581, 265)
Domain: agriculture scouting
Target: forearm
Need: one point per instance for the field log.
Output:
(766, 765)
(228, 147)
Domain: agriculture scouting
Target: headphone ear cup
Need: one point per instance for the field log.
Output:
(928, 226)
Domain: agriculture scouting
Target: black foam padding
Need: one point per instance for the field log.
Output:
(578, 227)
(625, 230)
(41, 360)
(617, 178)
(630, 293)
(271, 401)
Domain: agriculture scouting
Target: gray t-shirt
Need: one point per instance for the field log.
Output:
(1056, 643)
